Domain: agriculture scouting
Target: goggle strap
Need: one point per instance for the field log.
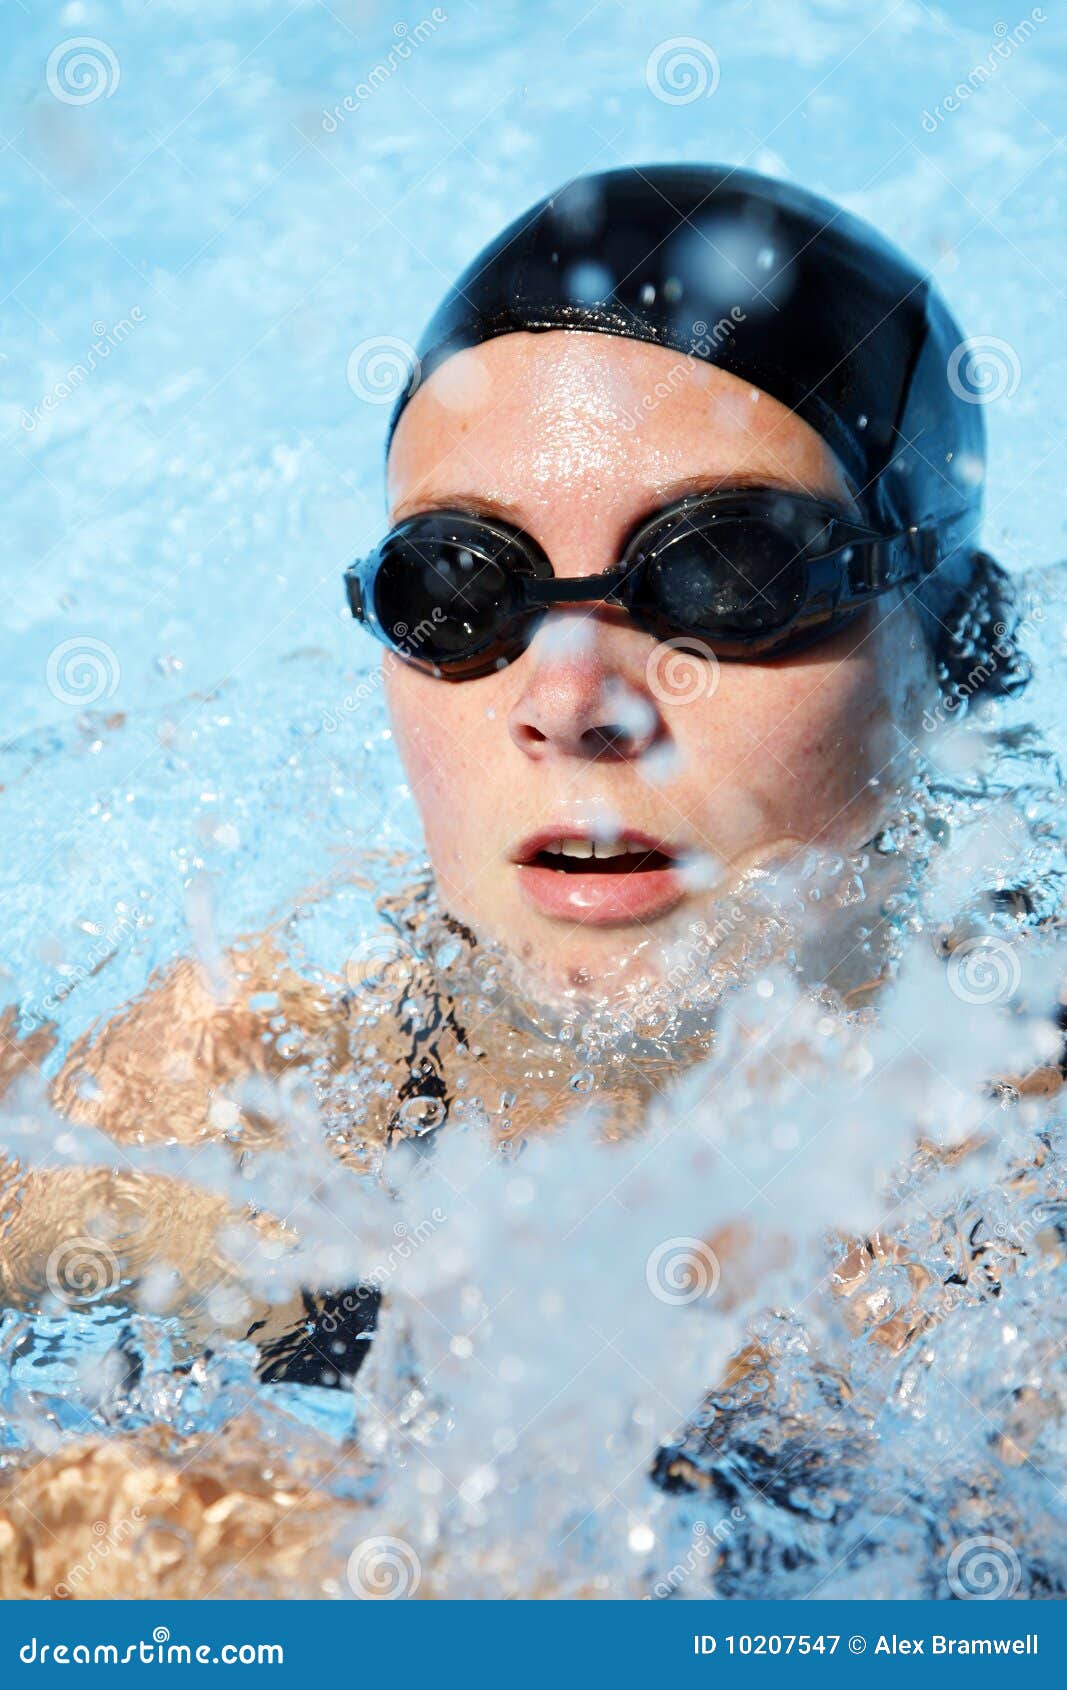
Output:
(354, 589)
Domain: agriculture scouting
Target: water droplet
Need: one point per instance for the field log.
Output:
(446, 954)
(418, 1115)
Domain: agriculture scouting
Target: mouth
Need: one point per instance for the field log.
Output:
(579, 877)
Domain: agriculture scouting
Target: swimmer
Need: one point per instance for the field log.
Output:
(679, 414)
(683, 506)
(684, 512)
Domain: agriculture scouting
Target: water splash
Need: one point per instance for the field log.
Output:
(562, 1224)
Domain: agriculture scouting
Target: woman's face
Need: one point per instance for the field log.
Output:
(597, 734)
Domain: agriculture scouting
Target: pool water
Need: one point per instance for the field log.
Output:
(753, 1289)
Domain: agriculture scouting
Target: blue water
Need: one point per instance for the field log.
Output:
(192, 744)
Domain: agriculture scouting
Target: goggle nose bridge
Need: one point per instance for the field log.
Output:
(546, 591)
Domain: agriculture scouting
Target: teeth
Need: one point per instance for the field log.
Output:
(600, 848)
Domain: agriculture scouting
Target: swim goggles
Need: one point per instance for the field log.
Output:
(745, 574)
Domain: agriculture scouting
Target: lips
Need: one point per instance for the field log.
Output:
(576, 876)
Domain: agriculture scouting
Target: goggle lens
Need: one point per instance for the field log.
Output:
(726, 580)
(440, 601)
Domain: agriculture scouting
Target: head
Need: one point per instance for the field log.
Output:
(573, 421)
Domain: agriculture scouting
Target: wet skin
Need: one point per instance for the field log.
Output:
(595, 731)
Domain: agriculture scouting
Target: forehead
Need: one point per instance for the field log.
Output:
(530, 420)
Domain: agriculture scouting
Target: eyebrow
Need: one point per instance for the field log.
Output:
(476, 504)
(745, 480)
(730, 481)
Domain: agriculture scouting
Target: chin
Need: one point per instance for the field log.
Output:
(594, 961)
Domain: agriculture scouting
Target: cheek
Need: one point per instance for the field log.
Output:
(783, 751)
(829, 729)
(437, 737)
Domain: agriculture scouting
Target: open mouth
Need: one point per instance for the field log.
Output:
(599, 881)
(594, 856)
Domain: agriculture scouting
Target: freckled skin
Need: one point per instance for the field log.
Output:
(556, 431)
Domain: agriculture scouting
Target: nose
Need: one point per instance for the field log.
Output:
(580, 700)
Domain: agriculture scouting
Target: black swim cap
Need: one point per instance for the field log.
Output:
(780, 288)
